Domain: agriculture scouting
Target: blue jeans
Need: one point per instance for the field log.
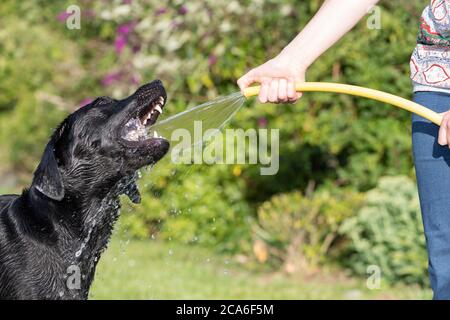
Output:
(432, 163)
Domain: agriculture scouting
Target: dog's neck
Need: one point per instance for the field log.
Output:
(84, 224)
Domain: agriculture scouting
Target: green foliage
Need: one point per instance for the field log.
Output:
(388, 232)
(22, 133)
(300, 230)
(326, 138)
(192, 205)
(199, 49)
(33, 62)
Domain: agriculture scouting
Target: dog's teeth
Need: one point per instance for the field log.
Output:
(155, 134)
(158, 108)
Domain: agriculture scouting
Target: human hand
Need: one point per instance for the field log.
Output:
(277, 77)
(444, 130)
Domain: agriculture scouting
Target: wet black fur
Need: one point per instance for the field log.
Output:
(64, 220)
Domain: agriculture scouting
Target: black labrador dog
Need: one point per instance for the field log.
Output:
(52, 236)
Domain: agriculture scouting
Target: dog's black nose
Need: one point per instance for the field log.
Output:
(150, 90)
(155, 84)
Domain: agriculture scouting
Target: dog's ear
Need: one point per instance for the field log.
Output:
(47, 178)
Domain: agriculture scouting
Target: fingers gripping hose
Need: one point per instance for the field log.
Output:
(361, 92)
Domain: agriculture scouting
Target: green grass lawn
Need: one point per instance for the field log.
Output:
(156, 270)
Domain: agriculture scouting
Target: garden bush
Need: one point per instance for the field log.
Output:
(325, 138)
(42, 80)
(196, 205)
(388, 232)
(299, 230)
(199, 48)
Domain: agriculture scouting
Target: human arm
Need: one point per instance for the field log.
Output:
(279, 75)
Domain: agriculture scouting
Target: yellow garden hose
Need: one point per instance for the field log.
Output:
(361, 92)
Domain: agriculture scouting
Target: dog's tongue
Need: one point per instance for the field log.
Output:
(132, 192)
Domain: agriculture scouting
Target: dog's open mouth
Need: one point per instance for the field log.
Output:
(137, 128)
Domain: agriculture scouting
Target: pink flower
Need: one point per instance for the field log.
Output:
(62, 16)
(161, 11)
(122, 33)
(183, 10)
(212, 59)
(135, 79)
(85, 102)
(111, 78)
(120, 43)
(262, 122)
(125, 29)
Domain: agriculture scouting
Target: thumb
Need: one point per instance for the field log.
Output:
(442, 136)
(246, 80)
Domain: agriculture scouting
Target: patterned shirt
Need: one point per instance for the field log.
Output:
(430, 61)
